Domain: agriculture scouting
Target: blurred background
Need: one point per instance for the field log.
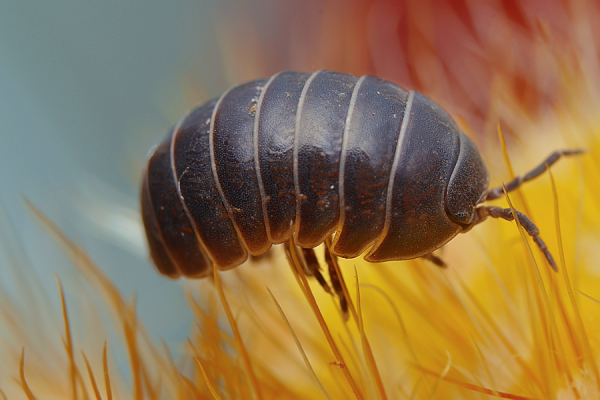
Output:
(87, 88)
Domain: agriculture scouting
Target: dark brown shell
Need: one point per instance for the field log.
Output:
(309, 155)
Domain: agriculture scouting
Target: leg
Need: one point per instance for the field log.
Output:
(308, 263)
(313, 268)
(497, 192)
(435, 259)
(505, 213)
(336, 281)
(310, 266)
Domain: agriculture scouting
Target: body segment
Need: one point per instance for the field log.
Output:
(369, 146)
(320, 123)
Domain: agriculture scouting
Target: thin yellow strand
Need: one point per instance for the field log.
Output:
(91, 375)
(548, 328)
(106, 374)
(479, 389)
(372, 365)
(411, 349)
(238, 337)
(441, 376)
(580, 327)
(26, 389)
(130, 329)
(212, 389)
(295, 264)
(68, 340)
(300, 348)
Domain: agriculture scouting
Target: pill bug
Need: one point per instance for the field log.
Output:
(301, 157)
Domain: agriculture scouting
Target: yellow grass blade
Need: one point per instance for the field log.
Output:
(26, 389)
(91, 375)
(551, 371)
(106, 374)
(296, 266)
(211, 387)
(300, 348)
(238, 336)
(578, 321)
(479, 389)
(68, 341)
(371, 364)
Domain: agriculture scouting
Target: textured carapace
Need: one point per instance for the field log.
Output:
(308, 156)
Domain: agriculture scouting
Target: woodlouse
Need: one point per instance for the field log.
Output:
(308, 156)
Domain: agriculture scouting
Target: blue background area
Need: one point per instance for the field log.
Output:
(86, 88)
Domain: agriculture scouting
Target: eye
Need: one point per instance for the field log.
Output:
(462, 216)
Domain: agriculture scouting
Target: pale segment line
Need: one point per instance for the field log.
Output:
(342, 172)
(390, 192)
(255, 133)
(153, 215)
(296, 149)
(213, 165)
(177, 180)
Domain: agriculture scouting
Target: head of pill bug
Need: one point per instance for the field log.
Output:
(467, 185)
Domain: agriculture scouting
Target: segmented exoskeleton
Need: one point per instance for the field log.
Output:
(308, 156)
